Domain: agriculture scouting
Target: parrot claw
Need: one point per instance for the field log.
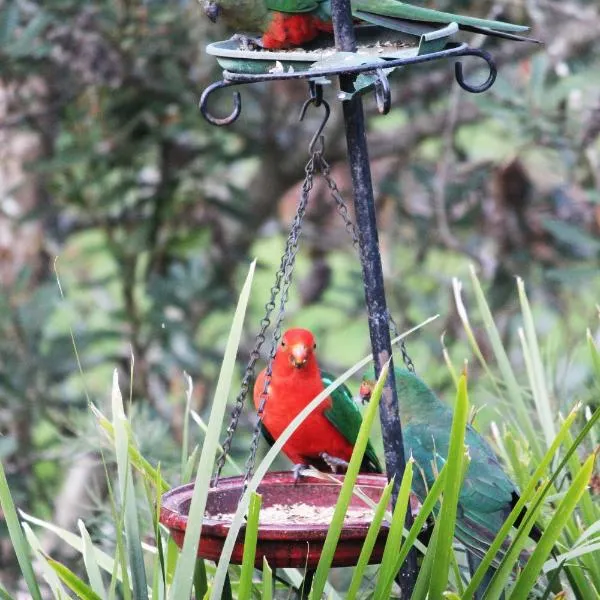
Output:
(297, 470)
(247, 42)
(333, 462)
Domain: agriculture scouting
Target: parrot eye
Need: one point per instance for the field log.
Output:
(283, 344)
(314, 346)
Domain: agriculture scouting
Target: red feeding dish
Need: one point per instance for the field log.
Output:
(294, 519)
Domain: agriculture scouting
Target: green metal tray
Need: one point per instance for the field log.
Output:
(424, 40)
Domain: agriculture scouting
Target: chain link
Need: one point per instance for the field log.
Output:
(281, 287)
(342, 209)
(288, 262)
(283, 272)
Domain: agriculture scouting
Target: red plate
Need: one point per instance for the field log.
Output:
(295, 518)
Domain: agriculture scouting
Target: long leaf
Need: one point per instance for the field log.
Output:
(503, 573)
(267, 586)
(128, 499)
(137, 460)
(250, 538)
(370, 540)
(78, 587)
(17, 538)
(345, 497)
(447, 518)
(42, 560)
(563, 512)
(89, 559)
(394, 539)
(424, 512)
(184, 572)
(533, 361)
(509, 379)
(526, 495)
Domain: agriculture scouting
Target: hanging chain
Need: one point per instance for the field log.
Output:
(283, 273)
(342, 209)
(288, 262)
(281, 287)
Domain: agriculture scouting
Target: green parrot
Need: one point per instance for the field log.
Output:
(282, 24)
(487, 496)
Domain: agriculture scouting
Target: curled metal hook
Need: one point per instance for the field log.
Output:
(318, 138)
(488, 83)
(203, 104)
(383, 96)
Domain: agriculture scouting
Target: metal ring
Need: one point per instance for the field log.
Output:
(383, 96)
(488, 83)
(203, 104)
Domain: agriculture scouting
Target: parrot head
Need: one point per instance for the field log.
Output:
(366, 389)
(212, 9)
(298, 347)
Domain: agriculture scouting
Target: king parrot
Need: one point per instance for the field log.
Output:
(290, 23)
(327, 437)
(487, 496)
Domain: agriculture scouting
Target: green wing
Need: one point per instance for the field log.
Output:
(345, 416)
(292, 6)
(400, 10)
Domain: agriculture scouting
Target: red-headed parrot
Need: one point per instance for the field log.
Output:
(326, 438)
(289, 23)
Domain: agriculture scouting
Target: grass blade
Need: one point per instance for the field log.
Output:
(200, 580)
(537, 377)
(4, 595)
(369, 543)
(16, 537)
(183, 578)
(447, 517)
(337, 521)
(503, 573)
(185, 443)
(47, 572)
(394, 539)
(426, 570)
(267, 586)
(89, 559)
(563, 512)
(420, 520)
(526, 495)
(250, 538)
(513, 389)
(135, 457)
(128, 499)
(78, 587)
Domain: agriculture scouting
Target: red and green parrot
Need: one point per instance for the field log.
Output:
(326, 438)
(488, 495)
(279, 24)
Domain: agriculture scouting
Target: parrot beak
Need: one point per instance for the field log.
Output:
(298, 355)
(212, 10)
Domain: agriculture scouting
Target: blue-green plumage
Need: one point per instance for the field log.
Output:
(487, 496)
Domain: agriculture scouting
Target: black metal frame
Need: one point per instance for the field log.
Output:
(382, 86)
(366, 225)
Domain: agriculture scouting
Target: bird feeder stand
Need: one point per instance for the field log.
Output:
(356, 77)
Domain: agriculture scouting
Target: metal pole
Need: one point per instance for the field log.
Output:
(370, 259)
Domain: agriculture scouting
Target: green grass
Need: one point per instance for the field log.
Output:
(552, 458)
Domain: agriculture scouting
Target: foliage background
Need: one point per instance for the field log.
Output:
(154, 215)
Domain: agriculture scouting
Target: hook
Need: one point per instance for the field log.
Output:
(317, 100)
(237, 104)
(316, 92)
(488, 83)
(383, 96)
